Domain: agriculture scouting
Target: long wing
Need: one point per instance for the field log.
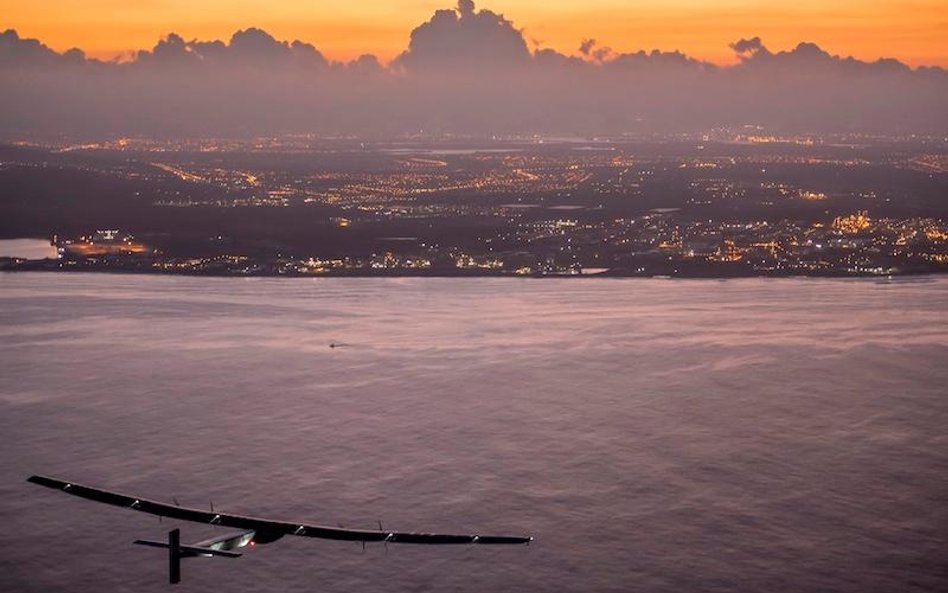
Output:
(265, 526)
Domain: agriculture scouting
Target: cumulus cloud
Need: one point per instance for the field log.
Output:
(465, 70)
(591, 49)
(465, 38)
(748, 47)
(17, 52)
(247, 48)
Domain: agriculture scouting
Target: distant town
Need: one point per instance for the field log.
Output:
(728, 203)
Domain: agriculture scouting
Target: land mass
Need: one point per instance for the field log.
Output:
(725, 203)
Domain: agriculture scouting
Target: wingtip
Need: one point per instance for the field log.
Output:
(45, 481)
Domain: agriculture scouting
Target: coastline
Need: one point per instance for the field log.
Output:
(55, 266)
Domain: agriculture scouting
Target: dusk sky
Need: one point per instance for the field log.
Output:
(492, 68)
(913, 31)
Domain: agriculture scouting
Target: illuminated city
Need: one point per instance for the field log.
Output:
(718, 204)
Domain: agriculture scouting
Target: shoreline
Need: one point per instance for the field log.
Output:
(42, 266)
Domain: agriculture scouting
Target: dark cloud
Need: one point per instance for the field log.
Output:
(465, 38)
(748, 47)
(586, 46)
(256, 44)
(247, 48)
(465, 70)
(18, 52)
(366, 64)
(672, 62)
(810, 59)
(170, 50)
(591, 49)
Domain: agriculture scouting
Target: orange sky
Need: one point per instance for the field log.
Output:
(914, 31)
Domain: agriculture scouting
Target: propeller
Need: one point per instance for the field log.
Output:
(175, 499)
(385, 541)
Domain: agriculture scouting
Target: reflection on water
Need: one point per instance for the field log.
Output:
(749, 435)
(27, 248)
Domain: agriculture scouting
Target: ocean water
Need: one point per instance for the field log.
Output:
(652, 435)
(27, 248)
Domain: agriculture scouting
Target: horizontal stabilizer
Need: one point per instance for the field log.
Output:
(189, 550)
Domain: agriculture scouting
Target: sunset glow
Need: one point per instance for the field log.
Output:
(914, 32)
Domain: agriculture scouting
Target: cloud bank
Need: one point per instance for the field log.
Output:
(465, 71)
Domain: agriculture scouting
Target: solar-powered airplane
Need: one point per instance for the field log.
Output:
(253, 530)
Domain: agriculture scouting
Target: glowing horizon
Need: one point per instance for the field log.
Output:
(914, 32)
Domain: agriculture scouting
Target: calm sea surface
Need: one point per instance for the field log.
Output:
(27, 248)
(747, 435)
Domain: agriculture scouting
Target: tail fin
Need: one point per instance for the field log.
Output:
(174, 556)
(176, 552)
